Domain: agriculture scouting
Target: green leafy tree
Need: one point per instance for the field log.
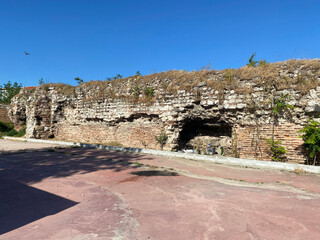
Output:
(311, 137)
(8, 91)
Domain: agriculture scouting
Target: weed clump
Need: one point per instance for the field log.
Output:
(161, 139)
(7, 129)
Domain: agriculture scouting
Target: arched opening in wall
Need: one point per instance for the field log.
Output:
(197, 134)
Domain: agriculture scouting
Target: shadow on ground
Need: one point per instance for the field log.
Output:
(21, 203)
(152, 173)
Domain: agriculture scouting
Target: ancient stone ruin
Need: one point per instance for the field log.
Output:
(230, 108)
(4, 113)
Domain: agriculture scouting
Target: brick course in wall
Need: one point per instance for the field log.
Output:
(248, 145)
(132, 134)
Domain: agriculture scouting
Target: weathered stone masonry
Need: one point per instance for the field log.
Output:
(192, 116)
(4, 113)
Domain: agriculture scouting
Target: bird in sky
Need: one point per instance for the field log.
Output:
(26, 53)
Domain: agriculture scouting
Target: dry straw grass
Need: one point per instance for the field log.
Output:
(301, 75)
(60, 88)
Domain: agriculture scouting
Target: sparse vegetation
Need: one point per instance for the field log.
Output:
(118, 76)
(114, 144)
(41, 82)
(137, 163)
(161, 139)
(243, 81)
(299, 171)
(276, 151)
(206, 68)
(7, 129)
(21, 132)
(262, 63)
(79, 80)
(136, 91)
(279, 107)
(60, 88)
(311, 136)
(253, 63)
(149, 92)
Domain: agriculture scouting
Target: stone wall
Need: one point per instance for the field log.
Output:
(249, 146)
(224, 108)
(4, 113)
(137, 133)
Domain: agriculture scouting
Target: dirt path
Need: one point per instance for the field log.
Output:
(75, 193)
(7, 146)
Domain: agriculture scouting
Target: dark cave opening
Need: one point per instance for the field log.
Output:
(204, 131)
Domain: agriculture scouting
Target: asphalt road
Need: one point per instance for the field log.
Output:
(76, 193)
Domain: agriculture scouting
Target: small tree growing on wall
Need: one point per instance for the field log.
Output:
(311, 137)
(276, 150)
(253, 63)
(79, 80)
(279, 107)
(161, 139)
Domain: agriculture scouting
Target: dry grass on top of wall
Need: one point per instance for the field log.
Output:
(304, 74)
(301, 75)
(60, 88)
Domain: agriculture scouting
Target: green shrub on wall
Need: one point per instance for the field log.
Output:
(161, 139)
(311, 137)
(276, 151)
(149, 92)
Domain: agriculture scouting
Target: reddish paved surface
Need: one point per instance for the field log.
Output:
(81, 194)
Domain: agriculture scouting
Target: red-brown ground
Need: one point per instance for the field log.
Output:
(77, 193)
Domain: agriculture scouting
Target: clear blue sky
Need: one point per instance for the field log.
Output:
(94, 39)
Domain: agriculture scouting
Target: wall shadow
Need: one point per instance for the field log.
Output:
(32, 167)
(21, 204)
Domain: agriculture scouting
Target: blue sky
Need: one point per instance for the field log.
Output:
(95, 39)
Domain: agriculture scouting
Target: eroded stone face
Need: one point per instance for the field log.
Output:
(236, 120)
(4, 113)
